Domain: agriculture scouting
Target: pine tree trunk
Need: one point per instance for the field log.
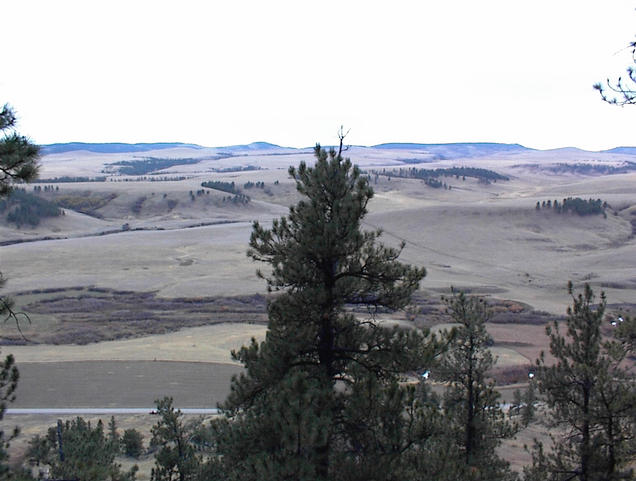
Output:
(585, 433)
(470, 411)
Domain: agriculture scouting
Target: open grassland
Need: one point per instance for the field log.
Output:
(207, 344)
(526, 255)
(473, 236)
(144, 287)
(154, 275)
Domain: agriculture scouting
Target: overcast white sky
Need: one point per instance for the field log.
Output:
(291, 72)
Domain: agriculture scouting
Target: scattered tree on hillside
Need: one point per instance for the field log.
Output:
(26, 209)
(251, 185)
(298, 411)
(474, 418)
(590, 395)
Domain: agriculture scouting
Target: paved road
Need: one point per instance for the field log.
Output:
(73, 411)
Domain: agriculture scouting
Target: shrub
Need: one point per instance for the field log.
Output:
(132, 442)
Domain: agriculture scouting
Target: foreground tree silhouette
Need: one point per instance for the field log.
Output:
(473, 415)
(18, 163)
(291, 415)
(18, 156)
(176, 458)
(590, 396)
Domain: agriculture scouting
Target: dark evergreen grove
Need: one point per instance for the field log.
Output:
(483, 175)
(26, 209)
(575, 205)
(76, 450)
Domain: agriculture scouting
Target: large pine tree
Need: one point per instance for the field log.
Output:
(18, 163)
(297, 412)
(591, 397)
(475, 420)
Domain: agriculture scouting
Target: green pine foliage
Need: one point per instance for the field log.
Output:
(176, 458)
(299, 410)
(474, 418)
(77, 450)
(18, 163)
(626, 333)
(591, 397)
(524, 405)
(8, 384)
(113, 435)
(18, 156)
(132, 443)
(39, 450)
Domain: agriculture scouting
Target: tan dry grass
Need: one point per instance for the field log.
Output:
(475, 235)
(140, 261)
(197, 344)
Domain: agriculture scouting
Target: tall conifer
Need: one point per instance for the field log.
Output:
(18, 163)
(290, 411)
(475, 420)
(591, 397)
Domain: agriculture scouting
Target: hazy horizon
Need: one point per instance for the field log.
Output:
(380, 144)
(292, 73)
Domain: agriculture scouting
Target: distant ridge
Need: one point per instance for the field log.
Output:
(459, 149)
(622, 150)
(112, 147)
(119, 147)
(456, 150)
(252, 146)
